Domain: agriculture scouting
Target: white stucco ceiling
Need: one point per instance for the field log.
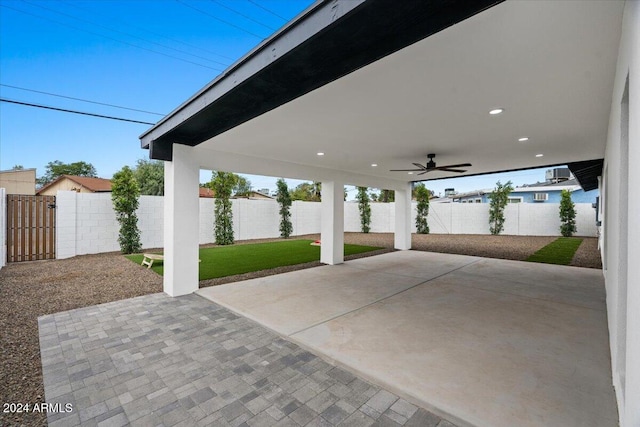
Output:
(549, 64)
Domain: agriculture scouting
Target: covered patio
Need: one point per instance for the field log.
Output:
(322, 102)
(350, 90)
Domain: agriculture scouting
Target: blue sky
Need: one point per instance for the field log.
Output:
(147, 55)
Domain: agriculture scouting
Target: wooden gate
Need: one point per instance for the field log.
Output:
(31, 227)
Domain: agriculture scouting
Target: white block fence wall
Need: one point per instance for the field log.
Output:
(86, 223)
(3, 227)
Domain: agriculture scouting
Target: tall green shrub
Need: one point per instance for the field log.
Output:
(499, 198)
(222, 184)
(567, 214)
(284, 200)
(124, 195)
(422, 197)
(365, 209)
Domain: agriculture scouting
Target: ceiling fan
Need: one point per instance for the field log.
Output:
(431, 166)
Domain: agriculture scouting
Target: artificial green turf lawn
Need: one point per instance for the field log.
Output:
(560, 251)
(221, 261)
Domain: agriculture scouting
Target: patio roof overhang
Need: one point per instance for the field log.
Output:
(385, 82)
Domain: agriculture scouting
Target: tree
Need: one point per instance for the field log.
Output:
(387, 196)
(17, 168)
(422, 197)
(365, 209)
(124, 195)
(308, 192)
(567, 214)
(242, 187)
(499, 198)
(223, 183)
(56, 168)
(150, 177)
(284, 200)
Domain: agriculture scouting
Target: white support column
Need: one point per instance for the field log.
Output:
(332, 230)
(402, 238)
(181, 222)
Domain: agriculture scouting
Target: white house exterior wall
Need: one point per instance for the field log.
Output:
(621, 246)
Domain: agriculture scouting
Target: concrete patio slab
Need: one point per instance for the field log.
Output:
(283, 305)
(482, 342)
(583, 287)
(422, 265)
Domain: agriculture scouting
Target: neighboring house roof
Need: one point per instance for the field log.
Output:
(209, 193)
(95, 185)
(544, 188)
(206, 192)
(440, 200)
(17, 170)
(474, 193)
(257, 195)
(565, 183)
(539, 187)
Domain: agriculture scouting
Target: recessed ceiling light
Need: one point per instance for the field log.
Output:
(410, 173)
(496, 111)
(523, 139)
(539, 155)
(373, 165)
(320, 154)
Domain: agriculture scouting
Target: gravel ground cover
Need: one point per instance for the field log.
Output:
(32, 289)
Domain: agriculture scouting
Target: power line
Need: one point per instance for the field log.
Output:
(123, 33)
(161, 35)
(64, 110)
(218, 19)
(267, 10)
(243, 15)
(80, 99)
(110, 38)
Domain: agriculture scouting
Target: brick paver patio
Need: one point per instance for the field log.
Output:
(156, 360)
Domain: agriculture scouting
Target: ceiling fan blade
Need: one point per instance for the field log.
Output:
(461, 165)
(451, 170)
(426, 168)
